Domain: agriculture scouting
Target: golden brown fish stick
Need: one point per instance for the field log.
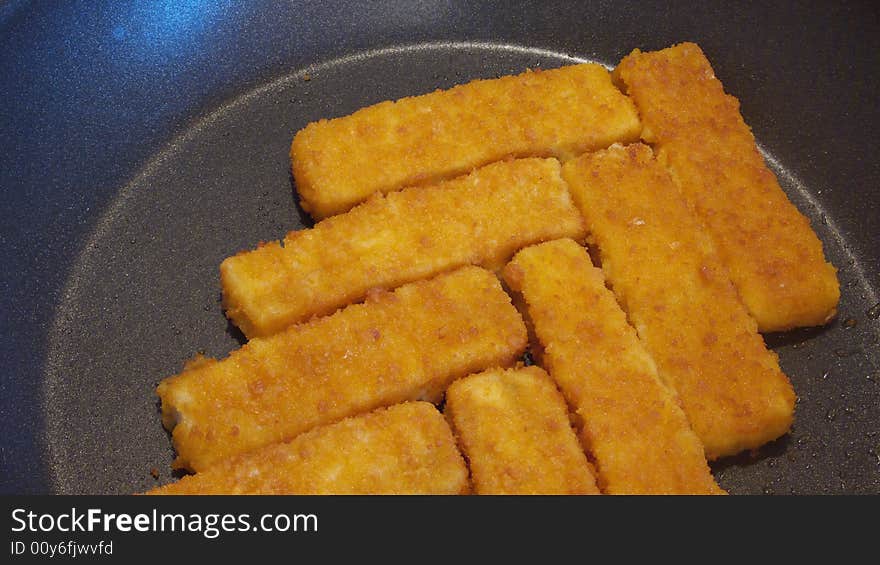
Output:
(405, 449)
(773, 256)
(403, 345)
(665, 273)
(514, 429)
(639, 438)
(482, 218)
(424, 139)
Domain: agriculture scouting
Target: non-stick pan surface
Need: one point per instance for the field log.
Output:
(143, 142)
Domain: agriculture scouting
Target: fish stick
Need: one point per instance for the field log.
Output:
(482, 218)
(666, 274)
(403, 345)
(405, 449)
(514, 429)
(631, 424)
(772, 254)
(424, 139)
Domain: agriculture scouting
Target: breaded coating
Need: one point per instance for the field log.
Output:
(482, 218)
(405, 449)
(773, 256)
(424, 139)
(631, 424)
(403, 345)
(513, 427)
(666, 275)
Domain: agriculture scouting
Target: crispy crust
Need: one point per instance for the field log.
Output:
(404, 449)
(482, 219)
(666, 275)
(637, 435)
(773, 256)
(513, 427)
(424, 139)
(403, 345)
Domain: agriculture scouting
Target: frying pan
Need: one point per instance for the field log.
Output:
(143, 142)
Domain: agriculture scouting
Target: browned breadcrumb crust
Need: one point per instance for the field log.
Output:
(631, 424)
(666, 275)
(404, 449)
(482, 218)
(423, 139)
(513, 427)
(773, 256)
(403, 345)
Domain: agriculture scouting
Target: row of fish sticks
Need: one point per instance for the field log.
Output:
(513, 426)
(654, 356)
(672, 100)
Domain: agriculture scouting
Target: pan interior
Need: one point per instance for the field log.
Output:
(144, 294)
